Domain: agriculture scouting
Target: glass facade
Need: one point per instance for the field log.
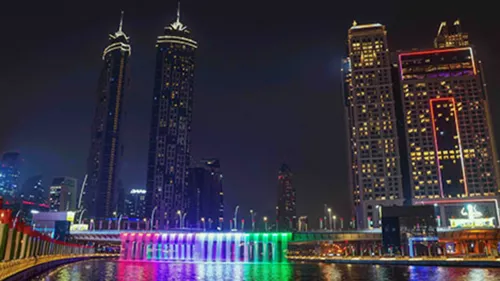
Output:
(169, 141)
(101, 192)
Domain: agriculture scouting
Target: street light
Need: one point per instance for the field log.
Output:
(265, 223)
(180, 217)
(153, 216)
(183, 220)
(334, 223)
(330, 217)
(81, 214)
(252, 215)
(203, 223)
(236, 217)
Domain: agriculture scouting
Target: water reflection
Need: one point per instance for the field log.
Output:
(111, 270)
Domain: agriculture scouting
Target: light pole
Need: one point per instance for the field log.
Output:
(236, 217)
(91, 224)
(252, 215)
(153, 216)
(183, 219)
(81, 192)
(334, 223)
(265, 223)
(80, 217)
(180, 217)
(203, 223)
(330, 217)
(119, 222)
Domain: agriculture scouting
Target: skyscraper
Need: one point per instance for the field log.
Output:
(451, 36)
(135, 203)
(206, 196)
(106, 148)
(449, 136)
(286, 213)
(374, 160)
(33, 190)
(169, 141)
(63, 194)
(9, 174)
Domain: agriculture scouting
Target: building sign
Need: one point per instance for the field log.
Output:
(473, 218)
(70, 216)
(79, 227)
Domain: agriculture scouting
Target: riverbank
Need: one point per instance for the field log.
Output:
(424, 261)
(23, 269)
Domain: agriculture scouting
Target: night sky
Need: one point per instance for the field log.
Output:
(267, 87)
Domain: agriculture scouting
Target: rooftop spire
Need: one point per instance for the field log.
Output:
(121, 23)
(179, 11)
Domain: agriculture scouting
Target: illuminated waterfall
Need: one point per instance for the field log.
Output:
(205, 246)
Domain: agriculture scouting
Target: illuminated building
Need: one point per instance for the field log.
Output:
(374, 161)
(135, 204)
(9, 174)
(451, 36)
(286, 213)
(63, 194)
(34, 191)
(170, 140)
(206, 196)
(101, 195)
(452, 157)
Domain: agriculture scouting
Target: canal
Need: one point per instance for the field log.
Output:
(114, 270)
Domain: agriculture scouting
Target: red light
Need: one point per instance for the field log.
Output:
(28, 203)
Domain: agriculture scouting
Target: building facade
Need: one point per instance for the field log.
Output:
(34, 191)
(169, 141)
(135, 204)
(286, 213)
(206, 196)
(453, 161)
(63, 194)
(374, 159)
(101, 195)
(451, 36)
(9, 175)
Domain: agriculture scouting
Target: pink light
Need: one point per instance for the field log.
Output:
(436, 51)
(44, 205)
(28, 203)
(455, 113)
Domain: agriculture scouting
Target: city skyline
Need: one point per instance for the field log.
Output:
(235, 179)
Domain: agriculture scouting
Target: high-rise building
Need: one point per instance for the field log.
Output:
(169, 141)
(449, 135)
(286, 213)
(101, 194)
(451, 36)
(374, 160)
(63, 194)
(9, 174)
(33, 190)
(135, 203)
(206, 196)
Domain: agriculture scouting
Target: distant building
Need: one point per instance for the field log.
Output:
(206, 196)
(170, 127)
(34, 191)
(101, 195)
(63, 194)
(451, 36)
(9, 175)
(374, 157)
(286, 213)
(135, 203)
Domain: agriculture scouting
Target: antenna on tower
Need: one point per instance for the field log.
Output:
(121, 23)
(178, 11)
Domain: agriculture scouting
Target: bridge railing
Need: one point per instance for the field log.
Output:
(19, 241)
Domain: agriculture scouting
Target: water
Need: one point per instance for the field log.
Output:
(113, 270)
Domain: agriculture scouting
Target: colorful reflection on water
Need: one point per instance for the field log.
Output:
(112, 270)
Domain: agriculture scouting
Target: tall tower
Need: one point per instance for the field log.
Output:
(286, 213)
(374, 160)
(451, 36)
(106, 148)
(170, 137)
(9, 175)
(453, 162)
